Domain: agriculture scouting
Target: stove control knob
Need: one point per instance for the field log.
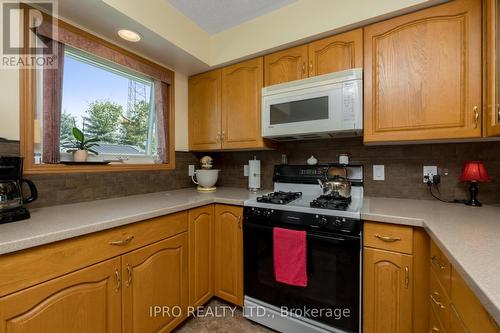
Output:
(338, 223)
(267, 213)
(323, 221)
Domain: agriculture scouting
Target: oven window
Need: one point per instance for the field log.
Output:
(298, 111)
(333, 277)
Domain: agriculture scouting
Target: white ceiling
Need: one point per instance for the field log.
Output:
(215, 16)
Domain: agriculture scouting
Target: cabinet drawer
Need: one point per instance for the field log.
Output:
(440, 302)
(434, 324)
(441, 267)
(389, 237)
(32, 266)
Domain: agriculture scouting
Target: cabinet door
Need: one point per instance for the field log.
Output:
(388, 289)
(205, 111)
(423, 74)
(241, 105)
(284, 66)
(87, 300)
(492, 103)
(336, 53)
(201, 255)
(229, 253)
(155, 276)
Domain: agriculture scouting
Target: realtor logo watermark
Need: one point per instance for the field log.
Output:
(27, 34)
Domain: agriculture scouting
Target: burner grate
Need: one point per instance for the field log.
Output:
(279, 198)
(331, 202)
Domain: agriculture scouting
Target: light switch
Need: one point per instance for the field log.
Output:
(378, 172)
(245, 170)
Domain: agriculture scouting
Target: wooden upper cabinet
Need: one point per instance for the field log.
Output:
(88, 300)
(155, 275)
(286, 65)
(492, 87)
(201, 255)
(336, 53)
(241, 105)
(229, 253)
(423, 74)
(388, 289)
(204, 111)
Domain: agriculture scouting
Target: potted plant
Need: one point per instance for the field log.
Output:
(80, 147)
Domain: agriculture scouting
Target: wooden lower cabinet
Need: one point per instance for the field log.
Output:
(88, 300)
(155, 275)
(388, 291)
(201, 255)
(229, 253)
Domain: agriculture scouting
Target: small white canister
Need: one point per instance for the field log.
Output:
(344, 158)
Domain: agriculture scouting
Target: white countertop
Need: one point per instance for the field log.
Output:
(469, 236)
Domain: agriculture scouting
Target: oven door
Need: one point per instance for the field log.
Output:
(333, 271)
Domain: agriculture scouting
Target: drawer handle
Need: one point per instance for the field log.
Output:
(436, 262)
(129, 279)
(122, 242)
(118, 281)
(434, 329)
(476, 116)
(388, 239)
(437, 302)
(407, 277)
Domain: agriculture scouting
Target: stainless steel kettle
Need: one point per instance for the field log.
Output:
(336, 183)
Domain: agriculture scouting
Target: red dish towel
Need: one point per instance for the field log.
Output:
(290, 256)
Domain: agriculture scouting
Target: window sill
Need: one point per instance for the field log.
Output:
(61, 168)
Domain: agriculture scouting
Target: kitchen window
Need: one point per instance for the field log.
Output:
(107, 102)
(118, 100)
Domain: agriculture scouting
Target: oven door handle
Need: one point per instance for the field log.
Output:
(331, 239)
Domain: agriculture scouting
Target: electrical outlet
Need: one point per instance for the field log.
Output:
(378, 172)
(429, 172)
(245, 170)
(191, 170)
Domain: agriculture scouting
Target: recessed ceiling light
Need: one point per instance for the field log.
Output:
(129, 35)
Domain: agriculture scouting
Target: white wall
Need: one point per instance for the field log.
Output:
(9, 104)
(181, 112)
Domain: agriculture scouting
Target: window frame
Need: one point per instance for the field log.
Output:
(28, 95)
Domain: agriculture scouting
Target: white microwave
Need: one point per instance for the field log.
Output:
(324, 106)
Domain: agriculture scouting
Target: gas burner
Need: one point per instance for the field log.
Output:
(279, 198)
(331, 202)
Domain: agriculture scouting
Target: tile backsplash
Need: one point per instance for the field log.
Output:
(58, 189)
(403, 165)
(403, 170)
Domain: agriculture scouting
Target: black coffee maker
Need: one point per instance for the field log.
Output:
(11, 195)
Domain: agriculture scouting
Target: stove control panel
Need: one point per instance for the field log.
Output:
(281, 218)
